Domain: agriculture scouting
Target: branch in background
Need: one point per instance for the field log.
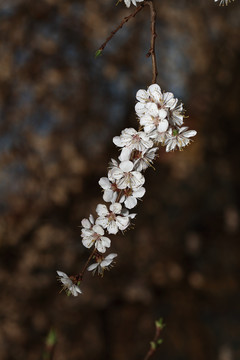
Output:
(151, 51)
(157, 341)
(124, 21)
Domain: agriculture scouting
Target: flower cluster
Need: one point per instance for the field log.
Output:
(161, 118)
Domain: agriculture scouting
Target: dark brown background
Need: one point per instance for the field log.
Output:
(59, 110)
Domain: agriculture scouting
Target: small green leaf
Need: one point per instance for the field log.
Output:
(159, 342)
(98, 53)
(159, 324)
(153, 345)
(175, 132)
(51, 338)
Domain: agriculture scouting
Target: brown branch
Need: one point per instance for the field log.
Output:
(79, 277)
(124, 21)
(151, 51)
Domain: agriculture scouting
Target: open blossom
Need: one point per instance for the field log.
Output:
(133, 140)
(112, 219)
(178, 138)
(94, 236)
(102, 264)
(129, 197)
(144, 159)
(175, 115)
(141, 159)
(110, 189)
(68, 284)
(125, 176)
(134, 2)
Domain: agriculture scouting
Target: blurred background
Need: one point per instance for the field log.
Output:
(59, 110)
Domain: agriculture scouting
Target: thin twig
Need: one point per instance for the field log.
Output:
(80, 276)
(125, 20)
(154, 344)
(151, 51)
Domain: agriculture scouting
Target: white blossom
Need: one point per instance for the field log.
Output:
(133, 140)
(68, 284)
(110, 189)
(178, 138)
(125, 176)
(112, 219)
(151, 123)
(144, 159)
(102, 264)
(130, 197)
(134, 2)
(223, 2)
(158, 137)
(94, 236)
(175, 115)
(87, 223)
(141, 159)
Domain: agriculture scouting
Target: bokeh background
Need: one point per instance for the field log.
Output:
(59, 109)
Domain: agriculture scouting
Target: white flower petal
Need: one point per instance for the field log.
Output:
(130, 202)
(139, 192)
(142, 96)
(125, 154)
(111, 256)
(154, 88)
(117, 141)
(102, 221)
(74, 289)
(152, 109)
(116, 208)
(162, 114)
(122, 222)
(126, 166)
(140, 108)
(190, 133)
(104, 183)
(112, 227)
(102, 210)
(109, 195)
(86, 223)
(115, 174)
(162, 126)
(137, 180)
(92, 267)
(88, 242)
(98, 229)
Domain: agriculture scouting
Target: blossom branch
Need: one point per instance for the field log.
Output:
(161, 119)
